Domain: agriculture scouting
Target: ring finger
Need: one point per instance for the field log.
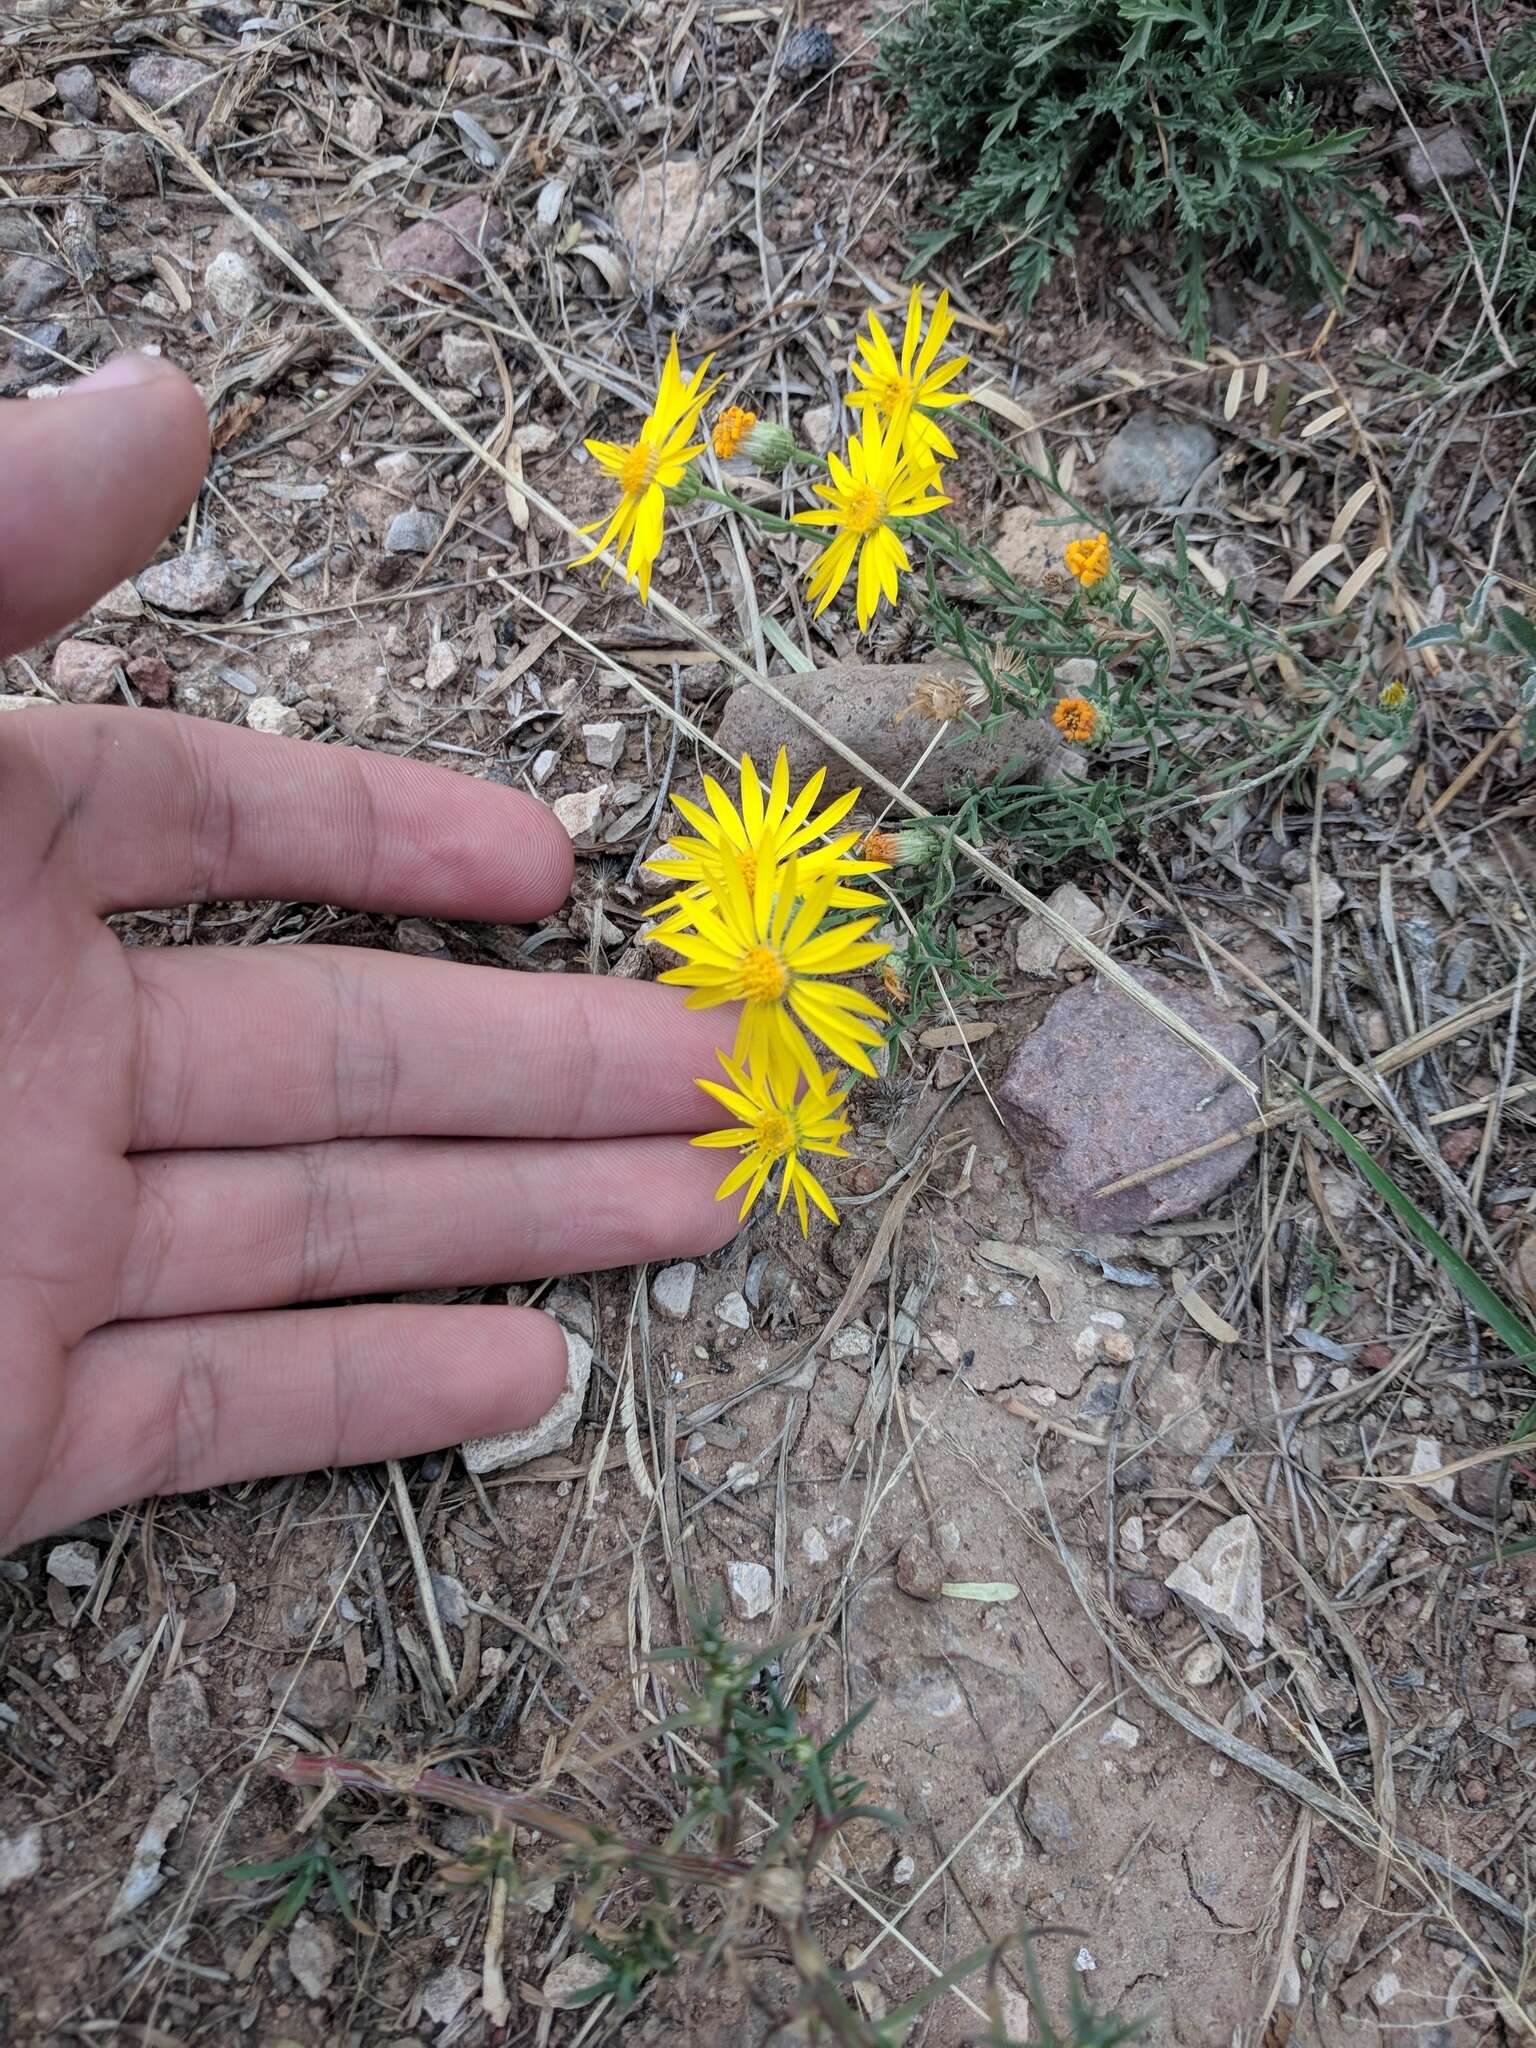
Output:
(247, 1230)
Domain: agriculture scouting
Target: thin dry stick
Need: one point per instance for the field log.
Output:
(405, 1515)
(1122, 979)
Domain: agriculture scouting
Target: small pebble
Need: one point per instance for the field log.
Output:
(74, 1564)
(604, 742)
(272, 715)
(1141, 1596)
(1203, 1665)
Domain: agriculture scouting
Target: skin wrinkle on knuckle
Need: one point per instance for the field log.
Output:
(213, 830)
(188, 1444)
(153, 1243)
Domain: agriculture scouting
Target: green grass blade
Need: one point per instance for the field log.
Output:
(1491, 1308)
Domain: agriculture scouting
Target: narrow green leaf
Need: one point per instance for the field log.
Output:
(1492, 1308)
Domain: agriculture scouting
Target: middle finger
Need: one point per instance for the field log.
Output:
(295, 1045)
(247, 1230)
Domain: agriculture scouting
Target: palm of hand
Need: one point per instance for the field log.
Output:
(192, 1138)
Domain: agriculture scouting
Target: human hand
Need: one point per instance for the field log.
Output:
(193, 1137)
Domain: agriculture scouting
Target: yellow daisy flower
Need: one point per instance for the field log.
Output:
(878, 483)
(768, 829)
(1395, 695)
(771, 1127)
(647, 468)
(764, 948)
(1088, 560)
(902, 393)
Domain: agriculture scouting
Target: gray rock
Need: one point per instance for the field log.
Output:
(1231, 560)
(1483, 1490)
(234, 286)
(318, 1694)
(413, 532)
(1329, 899)
(74, 1564)
(604, 742)
(671, 218)
(1142, 1597)
(311, 1955)
(1050, 1820)
(444, 1996)
(161, 79)
(1224, 1581)
(1041, 950)
(859, 703)
(76, 86)
(208, 1613)
(553, 1431)
(72, 145)
(443, 664)
(1102, 1089)
(272, 715)
(452, 1599)
(21, 1858)
(672, 1290)
(580, 810)
(733, 1311)
(751, 1590)
(1203, 1665)
(190, 585)
(449, 246)
(177, 1723)
(1439, 156)
(806, 54)
(1155, 459)
(145, 1876)
(27, 283)
(918, 1571)
(85, 672)
(570, 1306)
(467, 357)
(1032, 545)
(127, 168)
(571, 1980)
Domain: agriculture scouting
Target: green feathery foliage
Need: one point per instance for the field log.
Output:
(1188, 118)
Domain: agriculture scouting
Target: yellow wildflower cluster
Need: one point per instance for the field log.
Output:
(887, 475)
(759, 882)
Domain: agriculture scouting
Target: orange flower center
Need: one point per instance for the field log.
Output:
(764, 977)
(896, 392)
(731, 429)
(863, 509)
(638, 470)
(1075, 718)
(746, 860)
(880, 845)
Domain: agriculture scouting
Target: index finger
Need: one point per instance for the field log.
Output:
(153, 809)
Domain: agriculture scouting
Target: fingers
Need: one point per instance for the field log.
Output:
(169, 1407)
(91, 482)
(166, 810)
(245, 1230)
(293, 1045)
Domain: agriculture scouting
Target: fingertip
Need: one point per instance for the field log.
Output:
(550, 855)
(544, 1358)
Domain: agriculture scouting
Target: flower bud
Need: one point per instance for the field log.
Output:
(686, 489)
(770, 446)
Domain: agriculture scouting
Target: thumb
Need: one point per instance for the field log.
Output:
(91, 482)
